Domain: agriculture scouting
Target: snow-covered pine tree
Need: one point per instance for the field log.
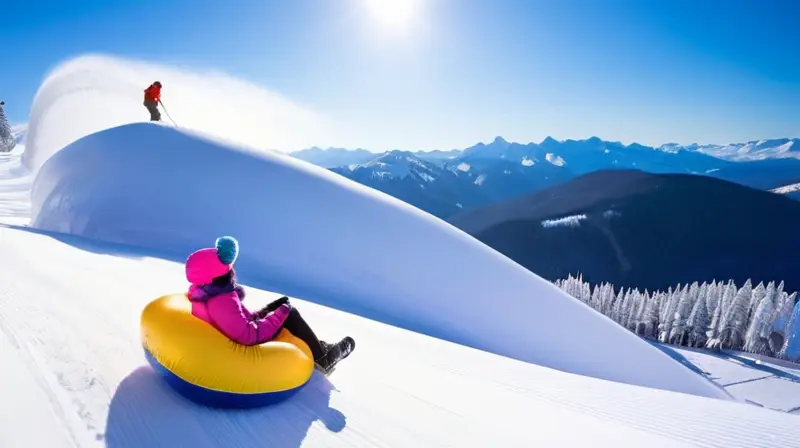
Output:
(755, 299)
(713, 297)
(703, 292)
(729, 292)
(663, 311)
(791, 344)
(758, 331)
(716, 316)
(651, 315)
(586, 292)
(734, 321)
(640, 318)
(615, 309)
(677, 333)
(607, 299)
(7, 140)
(624, 310)
(697, 323)
(780, 322)
(668, 320)
(633, 311)
(594, 299)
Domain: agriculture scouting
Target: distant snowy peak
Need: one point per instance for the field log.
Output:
(496, 149)
(754, 150)
(398, 165)
(549, 141)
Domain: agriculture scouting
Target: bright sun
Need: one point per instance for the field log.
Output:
(394, 16)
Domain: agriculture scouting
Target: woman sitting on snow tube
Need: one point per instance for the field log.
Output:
(216, 298)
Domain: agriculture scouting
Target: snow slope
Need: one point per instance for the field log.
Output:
(72, 360)
(139, 184)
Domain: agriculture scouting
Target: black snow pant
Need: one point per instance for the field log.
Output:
(296, 325)
(152, 107)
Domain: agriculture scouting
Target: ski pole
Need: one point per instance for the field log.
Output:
(167, 113)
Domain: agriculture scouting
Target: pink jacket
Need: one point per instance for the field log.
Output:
(226, 313)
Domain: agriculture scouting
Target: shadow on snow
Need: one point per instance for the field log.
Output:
(146, 412)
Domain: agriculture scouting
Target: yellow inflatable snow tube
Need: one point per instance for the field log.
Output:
(206, 367)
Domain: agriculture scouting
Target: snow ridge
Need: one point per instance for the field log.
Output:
(399, 165)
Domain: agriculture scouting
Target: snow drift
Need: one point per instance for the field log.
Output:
(154, 186)
(94, 92)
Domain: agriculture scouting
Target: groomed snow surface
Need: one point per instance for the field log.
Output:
(456, 345)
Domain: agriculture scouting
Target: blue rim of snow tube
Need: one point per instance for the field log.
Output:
(214, 398)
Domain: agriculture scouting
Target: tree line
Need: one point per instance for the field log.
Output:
(717, 315)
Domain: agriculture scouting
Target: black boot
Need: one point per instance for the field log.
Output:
(336, 353)
(326, 347)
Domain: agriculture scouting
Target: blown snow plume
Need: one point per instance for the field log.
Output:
(384, 259)
(95, 92)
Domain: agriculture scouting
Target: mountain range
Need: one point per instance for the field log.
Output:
(644, 230)
(448, 182)
(447, 186)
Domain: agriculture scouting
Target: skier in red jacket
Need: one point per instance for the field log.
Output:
(152, 96)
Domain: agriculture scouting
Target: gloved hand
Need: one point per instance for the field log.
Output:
(281, 301)
(272, 307)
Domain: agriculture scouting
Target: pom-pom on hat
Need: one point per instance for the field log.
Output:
(227, 249)
(203, 265)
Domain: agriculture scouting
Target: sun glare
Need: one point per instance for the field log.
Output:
(393, 16)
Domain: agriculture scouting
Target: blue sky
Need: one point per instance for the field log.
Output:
(468, 70)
